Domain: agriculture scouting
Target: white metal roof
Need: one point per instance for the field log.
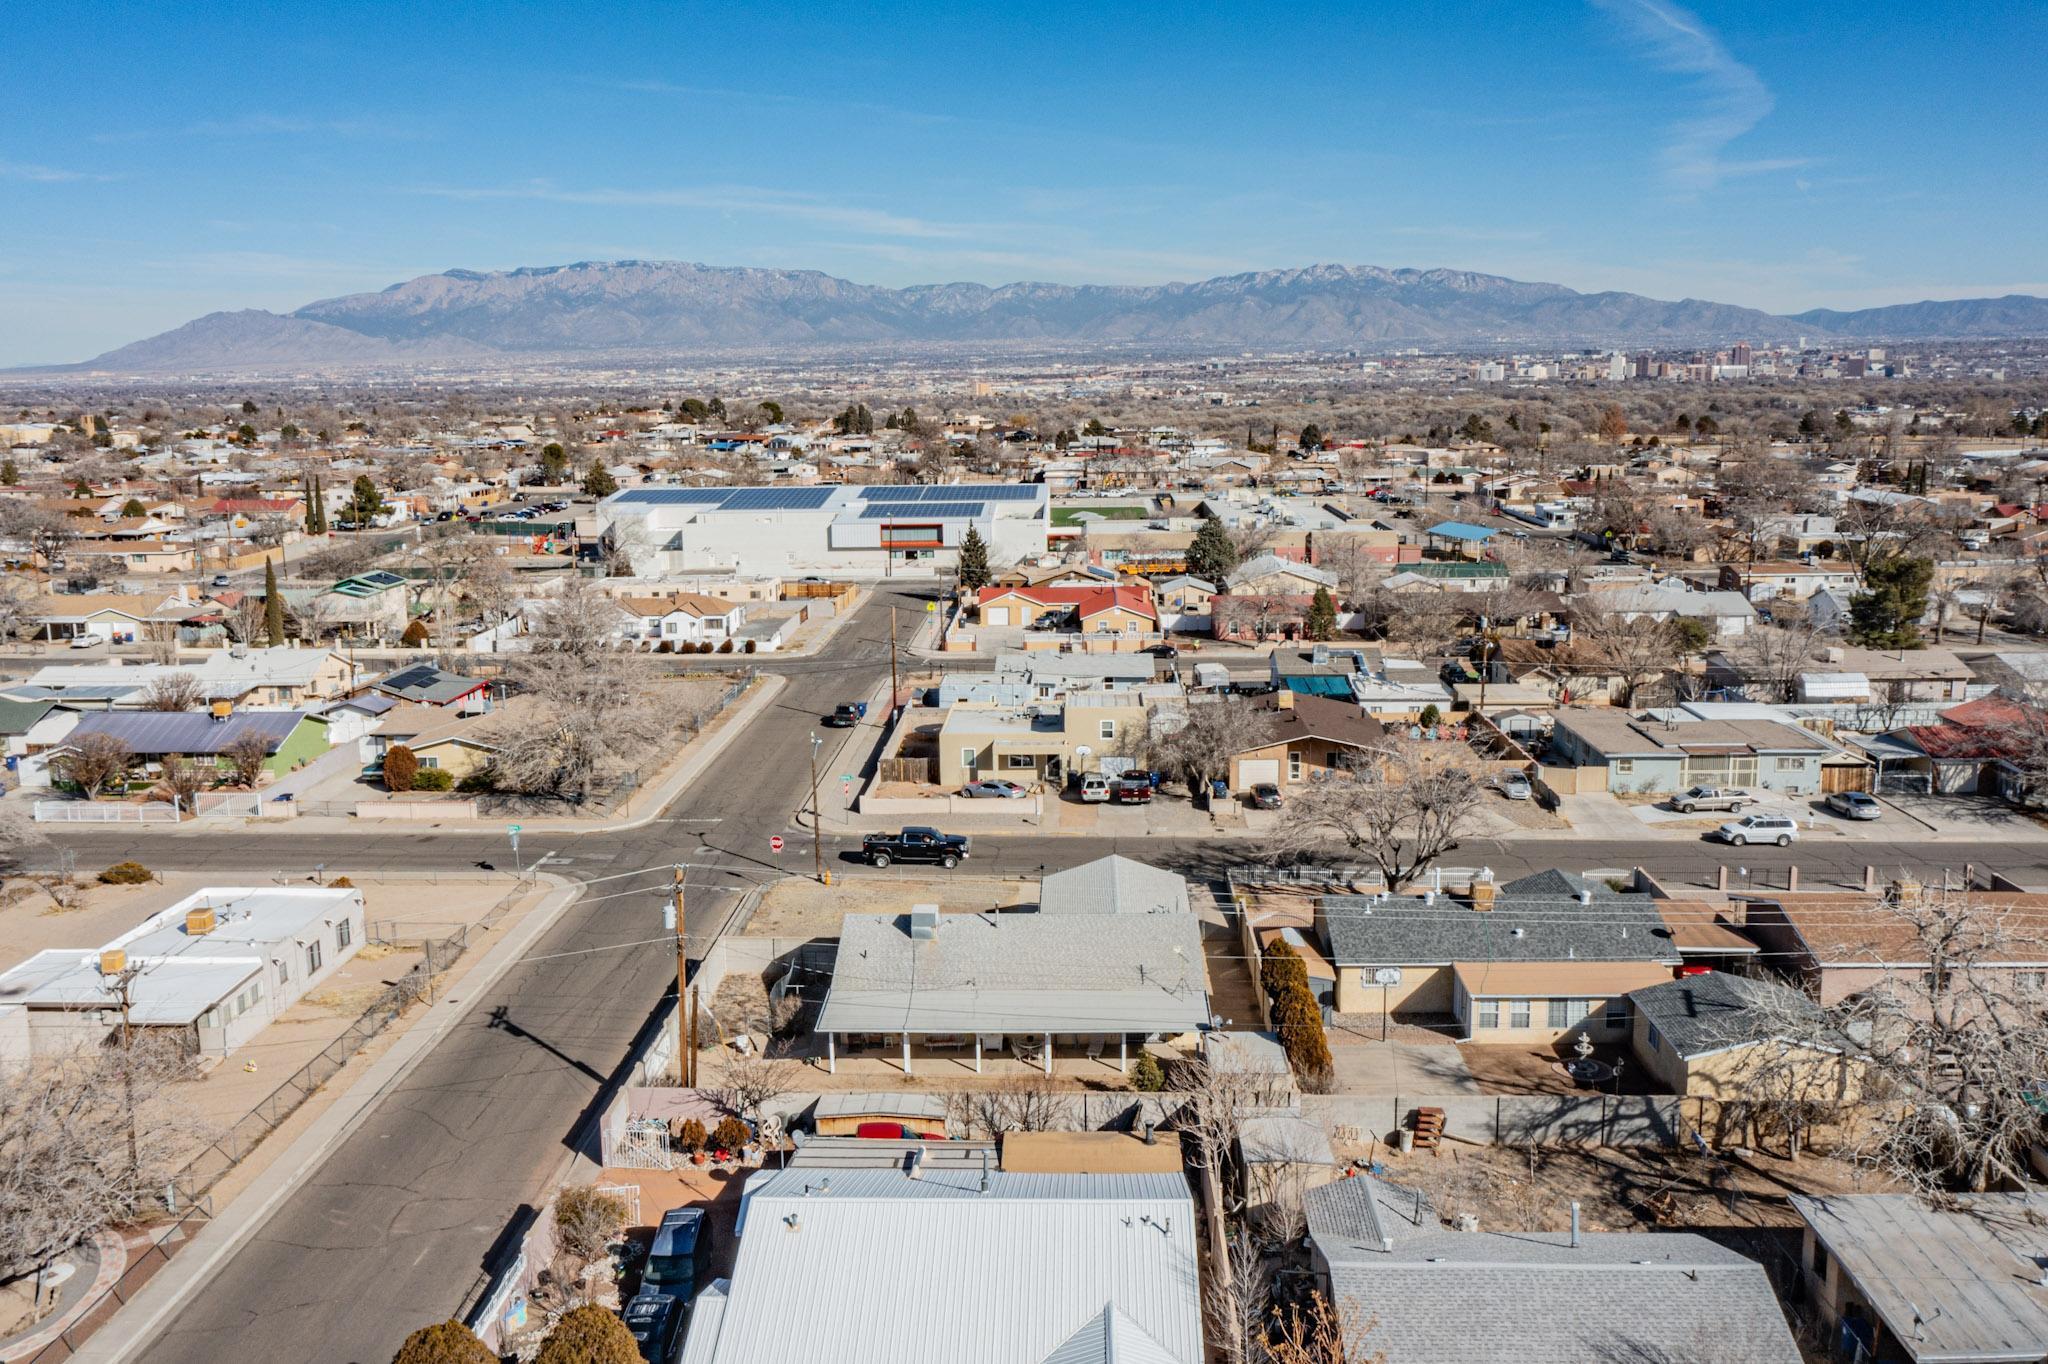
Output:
(1112, 885)
(874, 1267)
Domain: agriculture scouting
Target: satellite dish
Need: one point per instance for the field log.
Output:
(799, 1137)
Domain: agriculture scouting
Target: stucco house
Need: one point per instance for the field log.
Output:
(1303, 738)
(1616, 752)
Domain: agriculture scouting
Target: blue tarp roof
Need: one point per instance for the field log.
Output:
(1320, 685)
(1461, 530)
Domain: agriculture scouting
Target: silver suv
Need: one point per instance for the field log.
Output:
(1778, 829)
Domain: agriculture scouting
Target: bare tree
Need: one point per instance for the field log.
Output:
(246, 757)
(18, 612)
(87, 1140)
(1198, 748)
(1771, 657)
(746, 1082)
(1636, 649)
(161, 637)
(271, 530)
(93, 762)
(1407, 804)
(1018, 1103)
(182, 779)
(179, 690)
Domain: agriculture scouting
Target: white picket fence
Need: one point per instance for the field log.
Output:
(92, 812)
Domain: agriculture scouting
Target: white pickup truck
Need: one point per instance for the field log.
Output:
(1730, 798)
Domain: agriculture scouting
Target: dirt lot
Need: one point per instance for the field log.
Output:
(798, 907)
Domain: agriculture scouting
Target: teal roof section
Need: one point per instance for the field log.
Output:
(1462, 530)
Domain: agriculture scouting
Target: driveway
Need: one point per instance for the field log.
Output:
(1385, 1068)
(1973, 817)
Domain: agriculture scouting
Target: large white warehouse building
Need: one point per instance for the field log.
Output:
(870, 531)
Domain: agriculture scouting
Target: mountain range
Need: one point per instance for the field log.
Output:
(673, 307)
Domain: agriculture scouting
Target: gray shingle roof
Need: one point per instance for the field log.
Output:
(1530, 921)
(1453, 1297)
(1112, 885)
(1705, 1013)
(1019, 973)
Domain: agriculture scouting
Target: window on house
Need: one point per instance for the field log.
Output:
(1489, 1013)
(1518, 1013)
(1625, 765)
(344, 934)
(1788, 764)
(430, 762)
(1656, 1038)
(967, 756)
(2031, 980)
(1294, 767)
(284, 970)
(1559, 1014)
(1820, 1260)
(1019, 760)
(312, 957)
(1107, 728)
(1616, 1015)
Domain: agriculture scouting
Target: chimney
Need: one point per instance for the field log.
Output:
(198, 922)
(916, 1163)
(1151, 1133)
(1482, 895)
(1284, 699)
(984, 1169)
(1575, 1225)
(113, 962)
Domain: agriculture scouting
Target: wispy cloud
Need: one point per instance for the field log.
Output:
(266, 125)
(44, 175)
(1731, 97)
(769, 203)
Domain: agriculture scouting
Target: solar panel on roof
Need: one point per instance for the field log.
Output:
(777, 499)
(922, 510)
(671, 497)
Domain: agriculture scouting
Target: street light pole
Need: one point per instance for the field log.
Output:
(817, 817)
(686, 1056)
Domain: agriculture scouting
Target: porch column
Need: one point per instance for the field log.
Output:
(1123, 1044)
(977, 1053)
(906, 1053)
(831, 1053)
(1048, 1053)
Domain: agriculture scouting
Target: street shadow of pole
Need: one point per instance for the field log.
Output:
(501, 1020)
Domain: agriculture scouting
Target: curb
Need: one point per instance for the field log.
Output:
(132, 1328)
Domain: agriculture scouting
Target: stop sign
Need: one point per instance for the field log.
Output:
(775, 843)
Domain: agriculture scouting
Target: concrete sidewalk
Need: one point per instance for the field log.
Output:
(129, 1333)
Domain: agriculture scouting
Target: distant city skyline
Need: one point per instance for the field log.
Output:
(174, 162)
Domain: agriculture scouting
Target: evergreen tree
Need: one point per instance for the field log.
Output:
(364, 500)
(10, 472)
(319, 506)
(448, 1342)
(589, 1335)
(974, 574)
(1311, 437)
(554, 461)
(1094, 428)
(1886, 614)
(598, 481)
(312, 520)
(273, 605)
(1322, 615)
(133, 507)
(1212, 556)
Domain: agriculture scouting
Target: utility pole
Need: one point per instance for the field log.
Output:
(685, 998)
(892, 663)
(817, 817)
(123, 982)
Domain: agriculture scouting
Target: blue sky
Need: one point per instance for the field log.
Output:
(161, 161)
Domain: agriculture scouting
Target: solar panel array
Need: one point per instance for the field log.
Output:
(950, 492)
(882, 511)
(676, 497)
(777, 499)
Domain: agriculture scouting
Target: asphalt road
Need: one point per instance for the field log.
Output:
(394, 1229)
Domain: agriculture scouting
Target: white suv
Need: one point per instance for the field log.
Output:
(1778, 829)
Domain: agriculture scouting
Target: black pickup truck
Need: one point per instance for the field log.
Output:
(914, 845)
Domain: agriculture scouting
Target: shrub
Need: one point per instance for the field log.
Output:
(730, 1134)
(703, 646)
(1429, 717)
(415, 635)
(725, 647)
(1281, 968)
(448, 1342)
(341, 883)
(589, 1335)
(478, 780)
(401, 768)
(692, 1137)
(587, 1220)
(1148, 1076)
(126, 874)
(750, 645)
(433, 779)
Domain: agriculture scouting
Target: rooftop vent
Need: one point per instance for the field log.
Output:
(113, 962)
(924, 922)
(1586, 896)
(199, 922)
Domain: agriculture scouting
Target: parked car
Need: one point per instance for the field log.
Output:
(86, 642)
(1729, 798)
(993, 788)
(1163, 651)
(1778, 829)
(1261, 687)
(1514, 785)
(914, 844)
(1265, 796)
(653, 1319)
(222, 580)
(846, 716)
(679, 1256)
(1094, 787)
(1854, 805)
(1131, 791)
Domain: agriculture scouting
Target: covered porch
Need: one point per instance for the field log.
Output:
(1037, 1053)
